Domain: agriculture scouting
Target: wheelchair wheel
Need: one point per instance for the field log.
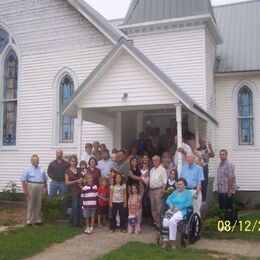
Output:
(194, 228)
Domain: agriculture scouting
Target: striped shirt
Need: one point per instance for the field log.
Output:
(89, 196)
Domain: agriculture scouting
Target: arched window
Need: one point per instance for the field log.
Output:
(245, 116)
(66, 122)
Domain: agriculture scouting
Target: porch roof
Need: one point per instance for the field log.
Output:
(71, 106)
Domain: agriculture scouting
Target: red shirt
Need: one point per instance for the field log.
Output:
(102, 191)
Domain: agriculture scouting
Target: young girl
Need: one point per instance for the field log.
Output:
(170, 187)
(83, 168)
(134, 209)
(118, 202)
(89, 202)
(102, 201)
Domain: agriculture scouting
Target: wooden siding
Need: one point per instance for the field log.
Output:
(210, 84)
(180, 55)
(245, 158)
(49, 25)
(126, 75)
(50, 35)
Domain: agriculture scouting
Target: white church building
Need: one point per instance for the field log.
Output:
(68, 76)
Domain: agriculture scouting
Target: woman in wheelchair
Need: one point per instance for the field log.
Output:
(179, 202)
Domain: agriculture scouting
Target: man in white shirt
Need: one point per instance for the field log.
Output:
(105, 164)
(158, 180)
(185, 149)
(88, 153)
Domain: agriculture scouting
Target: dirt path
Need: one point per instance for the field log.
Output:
(89, 247)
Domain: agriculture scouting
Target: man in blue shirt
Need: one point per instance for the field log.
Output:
(34, 181)
(193, 174)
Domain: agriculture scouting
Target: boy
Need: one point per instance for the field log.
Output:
(89, 202)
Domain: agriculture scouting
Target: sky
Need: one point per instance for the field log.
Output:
(112, 9)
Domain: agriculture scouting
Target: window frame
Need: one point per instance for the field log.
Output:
(56, 109)
(236, 117)
(11, 46)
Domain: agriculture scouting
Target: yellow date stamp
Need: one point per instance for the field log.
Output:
(242, 226)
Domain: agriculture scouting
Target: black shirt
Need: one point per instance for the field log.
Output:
(131, 181)
(56, 171)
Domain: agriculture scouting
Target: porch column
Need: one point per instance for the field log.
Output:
(196, 129)
(140, 123)
(80, 122)
(118, 131)
(179, 134)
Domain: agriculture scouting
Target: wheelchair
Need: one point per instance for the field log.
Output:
(188, 229)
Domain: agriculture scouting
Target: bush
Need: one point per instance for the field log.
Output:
(241, 201)
(52, 208)
(11, 192)
(211, 224)
(214, 211)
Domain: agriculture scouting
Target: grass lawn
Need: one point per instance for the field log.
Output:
(136, 251)
(23, 242)
(239, 231)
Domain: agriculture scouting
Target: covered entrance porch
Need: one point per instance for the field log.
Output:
(128, 94)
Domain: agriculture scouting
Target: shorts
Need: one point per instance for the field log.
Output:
(102, 210)
(89, 213)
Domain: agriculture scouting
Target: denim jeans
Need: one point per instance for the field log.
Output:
(59, 186)
(204, 184)
(118, 207)
(76, 213)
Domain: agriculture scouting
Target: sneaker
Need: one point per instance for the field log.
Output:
(90, 230)
(86, 230)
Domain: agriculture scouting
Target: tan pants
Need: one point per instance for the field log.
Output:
(196, 202)
(34, 203)
(156, 205)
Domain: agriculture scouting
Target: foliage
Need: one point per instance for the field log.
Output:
(239, 232)
(140, 251)
(11, 192)
(24, 242)
(210, 224)
(214, 211)
(52, 208)
(257, 206)
(241, 201)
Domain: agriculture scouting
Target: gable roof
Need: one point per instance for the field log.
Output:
(239, 24)
(141, 58)
(141, 11)
(97, 20)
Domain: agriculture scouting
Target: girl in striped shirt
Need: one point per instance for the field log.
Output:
(89, 202)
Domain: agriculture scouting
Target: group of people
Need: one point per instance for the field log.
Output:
(124, 185)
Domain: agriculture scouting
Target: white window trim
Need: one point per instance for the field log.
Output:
(3, 56)
(252, 87)
(55, 122)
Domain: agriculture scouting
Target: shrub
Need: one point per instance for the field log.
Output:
(52, 208)
(241, 201)
(211, 224)
(11, 192)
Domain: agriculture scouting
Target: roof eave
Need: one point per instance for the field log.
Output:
(97, 19)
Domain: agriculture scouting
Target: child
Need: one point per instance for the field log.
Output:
(134, 208)
(118, 202)
(83, 168)
(170, 187)
(102, 201)
(89, 201)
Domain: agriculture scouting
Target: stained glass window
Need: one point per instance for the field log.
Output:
(66, 122)
(245, 116)
(10, 98)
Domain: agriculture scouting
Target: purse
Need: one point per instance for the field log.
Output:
(132, 220)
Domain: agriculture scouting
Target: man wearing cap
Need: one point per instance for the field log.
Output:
(34, 182)
(193, 174)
